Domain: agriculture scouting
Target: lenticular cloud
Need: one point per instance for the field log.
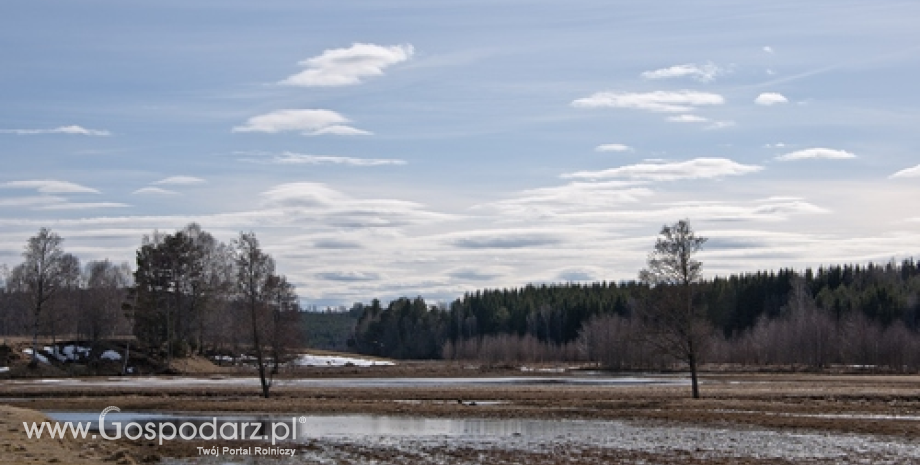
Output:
(683, 101)
(348, 66)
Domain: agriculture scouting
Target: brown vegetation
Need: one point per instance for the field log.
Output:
(789, 402)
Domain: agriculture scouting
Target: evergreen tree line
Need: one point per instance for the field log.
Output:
(189, 294)
(846, 314)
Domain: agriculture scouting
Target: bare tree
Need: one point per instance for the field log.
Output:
(43, 274)
(676, 326)
(284, 331)
(811, 331)
(62, 314)
(106, 290)
(213, 279)
(254, 271)
(6, 299)
(618, 343)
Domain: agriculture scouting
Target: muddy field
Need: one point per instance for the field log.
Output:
(743, 418)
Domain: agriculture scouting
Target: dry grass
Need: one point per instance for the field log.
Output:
(16, 448)
(790, 402)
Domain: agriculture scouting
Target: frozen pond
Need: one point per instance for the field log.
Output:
(392, 439)
(185, 382)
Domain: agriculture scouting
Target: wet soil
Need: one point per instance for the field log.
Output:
(881, 408)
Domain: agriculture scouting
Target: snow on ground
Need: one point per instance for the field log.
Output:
(309, 360)
(527, 369)
(110, 355)
(67, 353)
(71, 353)
(226, 358)
(40, 357)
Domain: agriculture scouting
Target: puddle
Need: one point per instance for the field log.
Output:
(331, 426)
(469, 402)
(843, 416)
(185, 382)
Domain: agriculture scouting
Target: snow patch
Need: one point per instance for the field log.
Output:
(308, 360)
(228, 358)
(527, 369)
(73, 352)
(110, 355)
(68, 353)
(40, 357)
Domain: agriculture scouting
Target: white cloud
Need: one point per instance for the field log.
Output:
(687, 119)
(336, 243)
(49, 186)
(583, 274)
(659, 101)
(348, 276)
(321, 204)
(303, 194)
(309, 122)
(571, 198)
(721, 125)
(505, 239)
(703, 73)
(73, 129)
(340, 130)
(773, 209)
(698, 168)
(770, 98)
(153, 191)
(478, 273)
(347, 66)
(179, 181)
(613, 148)
(907, 173)
(784, 206)
(815, 153)
(291, 158)
(768, 49)
(30, 201)
(83, 206)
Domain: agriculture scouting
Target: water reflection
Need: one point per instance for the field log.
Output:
(187, 382)
(327, 426)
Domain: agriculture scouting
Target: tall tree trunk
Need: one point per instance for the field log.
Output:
(34, 362)
(258, 347)
(694, 382)
(169, 336)
(38, 312)
(124, 368)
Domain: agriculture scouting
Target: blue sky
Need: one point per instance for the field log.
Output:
(381, 149)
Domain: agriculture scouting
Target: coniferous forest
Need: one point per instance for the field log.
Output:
(857, 315)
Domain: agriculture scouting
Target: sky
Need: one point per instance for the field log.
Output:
(409, 147)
